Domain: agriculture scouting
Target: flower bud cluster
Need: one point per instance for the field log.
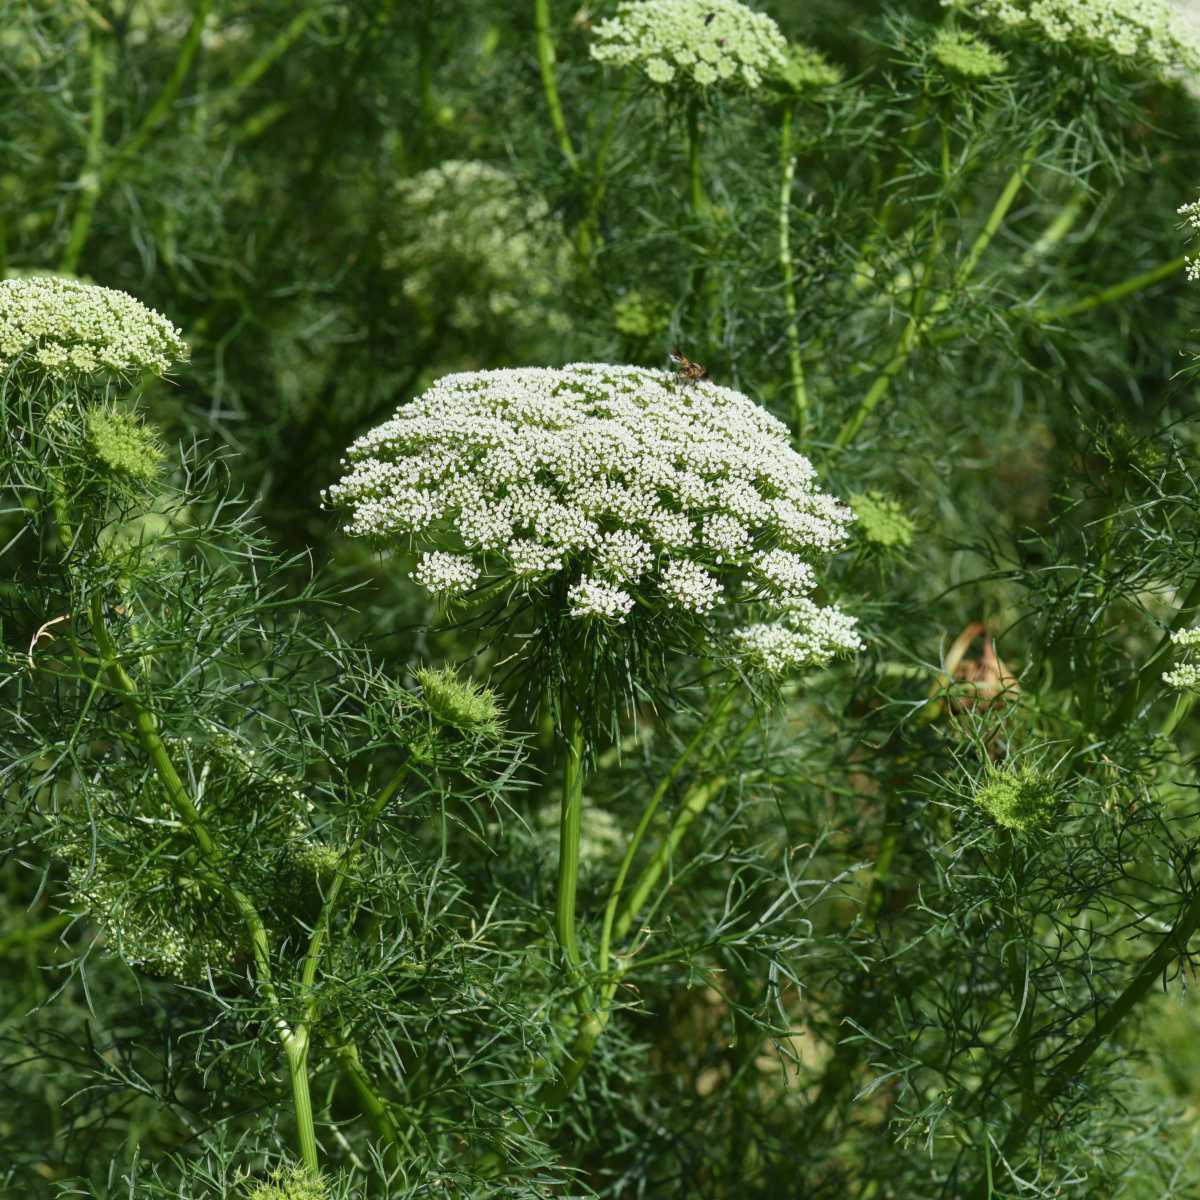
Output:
(1149, 31)
(881, 520)
(468, 232)
(68, 329)
(636, 492)
(965, 55)
(699, 43)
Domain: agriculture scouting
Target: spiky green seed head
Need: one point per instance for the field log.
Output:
(1021, 798)
(458, 702)
(124, 444)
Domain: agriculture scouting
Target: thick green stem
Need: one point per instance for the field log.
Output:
(702, 280)
(694, 804)
(545, 57)
(296, 1049)
(1118, 291)
(1058, 229)
(915, 327)
(587, 232)
(269, 55)
(89, 178)
(707, 731)
(696, 196)
(374, 1108)
(1173, 945)
(320, 931)
(568, 847)
(791, 330)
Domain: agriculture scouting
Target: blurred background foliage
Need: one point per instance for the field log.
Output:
(339, 201)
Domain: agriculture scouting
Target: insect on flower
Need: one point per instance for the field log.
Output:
(686, 370)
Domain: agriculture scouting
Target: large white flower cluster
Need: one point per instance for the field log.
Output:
(468, 238)
(1150, 30)
(70, 328)
(701, 42)
(620, 488)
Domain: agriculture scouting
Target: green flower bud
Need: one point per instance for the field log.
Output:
(292, 1182)
(1021, 798)
(966, 55)
(638, 315)
(881, 520)
(124, 444)
(460, 703)
(807, 70)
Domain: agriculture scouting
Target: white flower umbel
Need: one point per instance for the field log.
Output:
(66, 328)
(446, 574)
(807, 635)
(699, 43)
(469, 247)
(1149, 31)
(595, 598)
(619, 490)
(1186, 675)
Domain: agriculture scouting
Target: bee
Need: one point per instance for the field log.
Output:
(708, 19)
(686, 370)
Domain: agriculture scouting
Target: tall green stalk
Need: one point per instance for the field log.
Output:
(916, 326)
(568, 847)
(89, 178)
(791, 331)
(546, 60)
(1173, 946)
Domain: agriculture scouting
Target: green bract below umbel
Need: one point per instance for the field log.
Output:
(620, 490)
(66, 328)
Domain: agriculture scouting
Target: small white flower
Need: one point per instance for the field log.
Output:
(595, 598)
(786, 574)
(691, 586)
(446, 574)
(623, 556)
(808, 635)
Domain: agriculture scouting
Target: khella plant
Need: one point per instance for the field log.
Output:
(599, 600)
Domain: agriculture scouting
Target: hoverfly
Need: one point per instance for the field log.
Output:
(687, 371)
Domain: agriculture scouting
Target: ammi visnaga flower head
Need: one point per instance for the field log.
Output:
(693, 42)
(610, 494)
(65, 328)
(1148, 32)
